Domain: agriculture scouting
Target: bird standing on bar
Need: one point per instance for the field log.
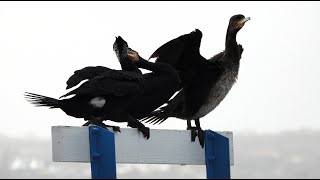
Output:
(117, 95)
(106, 95)
(205, 82)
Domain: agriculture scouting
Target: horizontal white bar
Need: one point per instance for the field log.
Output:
(71, 144)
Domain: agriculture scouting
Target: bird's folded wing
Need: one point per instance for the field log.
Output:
(113, 82)
(85, 73)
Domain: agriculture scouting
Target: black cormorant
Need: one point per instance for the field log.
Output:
(156, 89)
(159, 85)
(205, 83)
(107, 95)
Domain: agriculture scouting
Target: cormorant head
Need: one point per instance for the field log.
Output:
(120, 47)
(237, 22)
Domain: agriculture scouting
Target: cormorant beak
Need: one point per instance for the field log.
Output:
(244, 20)
(241, 22)
(133, 55)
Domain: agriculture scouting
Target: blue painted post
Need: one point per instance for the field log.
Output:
(217, 156)
(102, 153)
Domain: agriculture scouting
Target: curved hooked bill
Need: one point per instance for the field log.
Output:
(242, 21)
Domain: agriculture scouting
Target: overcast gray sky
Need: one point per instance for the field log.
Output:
(43, 43)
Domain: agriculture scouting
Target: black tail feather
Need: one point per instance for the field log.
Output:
(159, 121)
(156, 120)
(40, 100)
(151, 120)
(155, 117)
(145, 118)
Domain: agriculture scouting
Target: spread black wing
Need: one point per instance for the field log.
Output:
(179, 53)
(172, 52)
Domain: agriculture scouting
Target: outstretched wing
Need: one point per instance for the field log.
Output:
(173, 52)
(112, 82)
(170, 52)
(183, 54)
(85, 73)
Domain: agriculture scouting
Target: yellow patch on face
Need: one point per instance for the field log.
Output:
(133, 55)
(239, 24)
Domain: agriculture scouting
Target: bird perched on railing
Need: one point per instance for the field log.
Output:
(205, 82)
(106, 95)
(159, 85)
(125, 96)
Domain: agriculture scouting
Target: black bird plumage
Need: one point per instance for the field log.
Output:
(205, 82)
(159, 85)
(106, 95)
(133, 95)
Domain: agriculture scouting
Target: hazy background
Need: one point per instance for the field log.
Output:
(272, 109)
(286, 155)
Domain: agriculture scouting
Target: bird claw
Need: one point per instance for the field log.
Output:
(116, 129)
(201, 137)
(146, 132)
(193, 135)
(87, 123)
(197, 132)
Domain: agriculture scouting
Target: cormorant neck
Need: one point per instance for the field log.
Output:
(154, 67)
(128, 65)
(142, 63)
(231, 42)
